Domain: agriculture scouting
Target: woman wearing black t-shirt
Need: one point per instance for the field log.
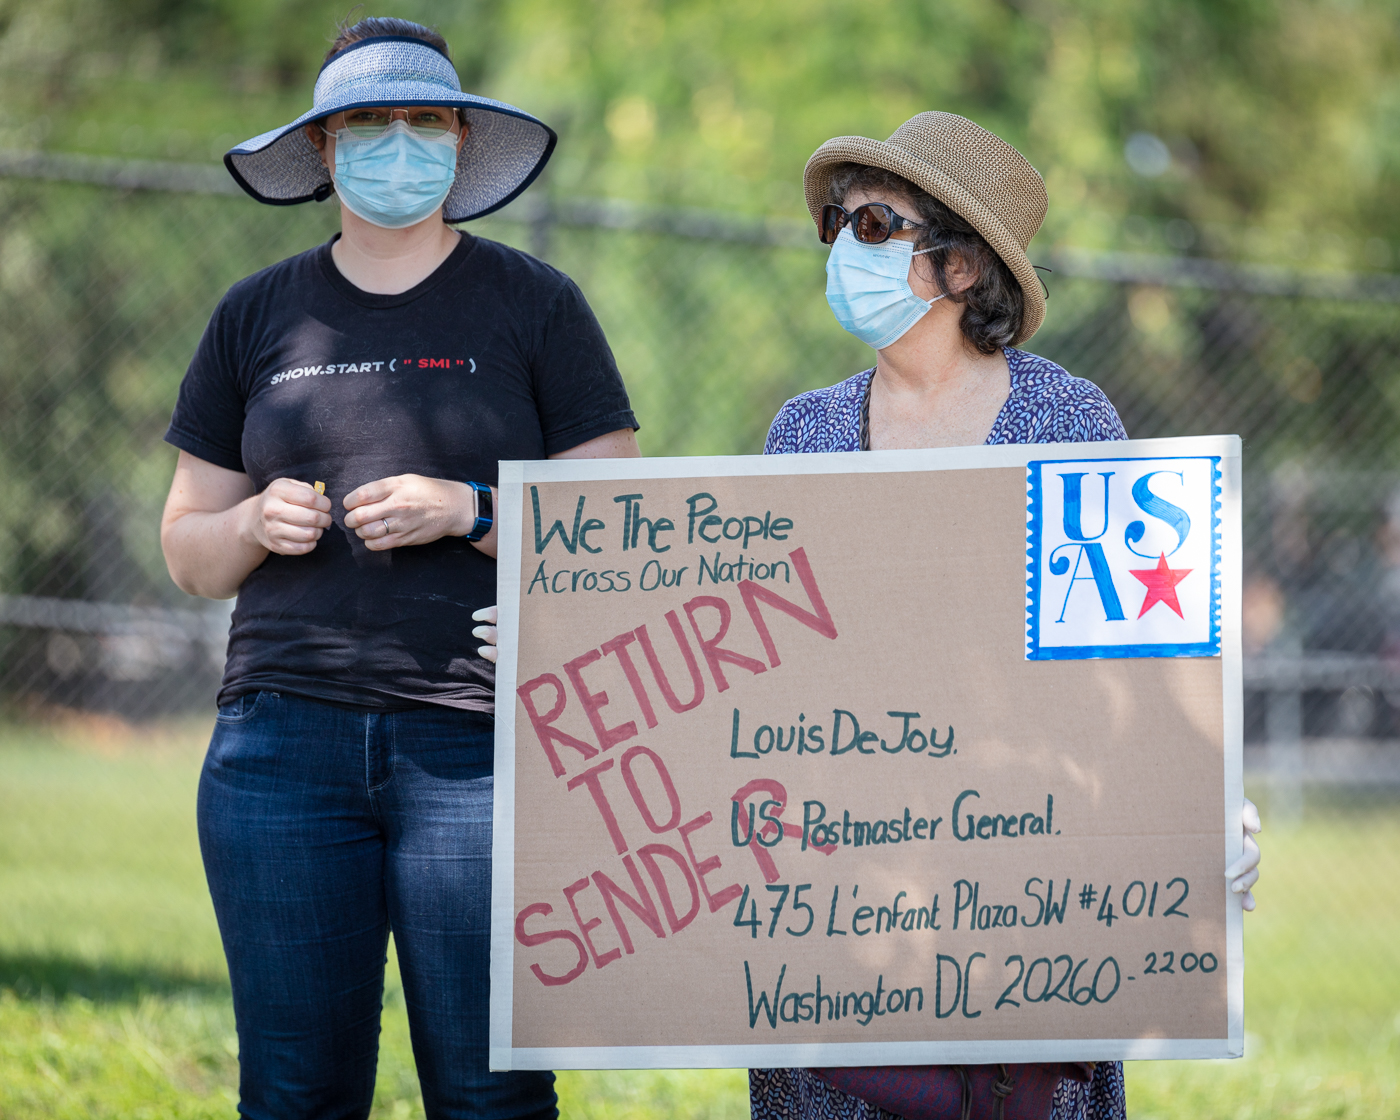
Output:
(348, 786)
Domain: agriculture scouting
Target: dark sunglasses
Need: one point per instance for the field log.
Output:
(871, 224)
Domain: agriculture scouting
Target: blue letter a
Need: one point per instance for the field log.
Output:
(1098, 572)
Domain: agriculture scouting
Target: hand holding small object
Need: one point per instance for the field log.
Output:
(287, 518)
(487, 633)
(1244, 872)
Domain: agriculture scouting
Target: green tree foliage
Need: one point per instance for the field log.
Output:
(1239, 129)
(1270, 128)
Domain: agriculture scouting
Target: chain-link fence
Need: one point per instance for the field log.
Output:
(109, 272)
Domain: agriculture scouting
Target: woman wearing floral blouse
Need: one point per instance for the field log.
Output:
(928, 266)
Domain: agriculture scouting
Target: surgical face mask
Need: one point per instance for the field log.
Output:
(396, 179)
(868, 289)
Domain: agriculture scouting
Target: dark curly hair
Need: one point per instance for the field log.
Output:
(993, 304)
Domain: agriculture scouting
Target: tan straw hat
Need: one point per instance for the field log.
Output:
(974, 173)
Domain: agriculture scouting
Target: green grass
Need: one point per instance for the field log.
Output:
(1322, 982)
(114, 1001)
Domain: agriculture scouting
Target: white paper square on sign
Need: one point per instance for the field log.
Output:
(1123, 558)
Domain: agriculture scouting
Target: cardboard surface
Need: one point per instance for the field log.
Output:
(883, 614)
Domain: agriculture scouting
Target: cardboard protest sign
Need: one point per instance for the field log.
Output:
(886, 758)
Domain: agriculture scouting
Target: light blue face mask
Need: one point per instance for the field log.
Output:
(868, 289)
(396, 179)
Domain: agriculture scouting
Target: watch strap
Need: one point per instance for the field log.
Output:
(484, 511)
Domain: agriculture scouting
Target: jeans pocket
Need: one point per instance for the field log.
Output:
(241, 708)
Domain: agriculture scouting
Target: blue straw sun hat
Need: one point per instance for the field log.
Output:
(504, 151)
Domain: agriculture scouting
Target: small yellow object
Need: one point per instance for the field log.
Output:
(320, 487)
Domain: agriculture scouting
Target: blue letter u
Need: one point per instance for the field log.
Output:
(1073, 502)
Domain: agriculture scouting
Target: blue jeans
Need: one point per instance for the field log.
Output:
(322, 828)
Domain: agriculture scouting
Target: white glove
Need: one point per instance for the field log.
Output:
(1244, 872)
(487, 634)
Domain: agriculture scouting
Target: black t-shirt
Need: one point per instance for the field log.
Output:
(302, 375)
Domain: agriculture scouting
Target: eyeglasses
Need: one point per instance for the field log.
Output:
(428, 121)
(871, 224)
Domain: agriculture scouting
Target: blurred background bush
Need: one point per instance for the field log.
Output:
(1224, 239)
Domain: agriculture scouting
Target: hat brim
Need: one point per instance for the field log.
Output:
(505, 151)
(816, 184)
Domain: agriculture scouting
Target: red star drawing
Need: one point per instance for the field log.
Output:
(1161, 584)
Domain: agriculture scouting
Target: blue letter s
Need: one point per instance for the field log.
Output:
(1159, 508)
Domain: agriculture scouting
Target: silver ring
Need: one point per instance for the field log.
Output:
(387, 530)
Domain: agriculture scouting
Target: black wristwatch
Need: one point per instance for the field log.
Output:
(483, 511)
